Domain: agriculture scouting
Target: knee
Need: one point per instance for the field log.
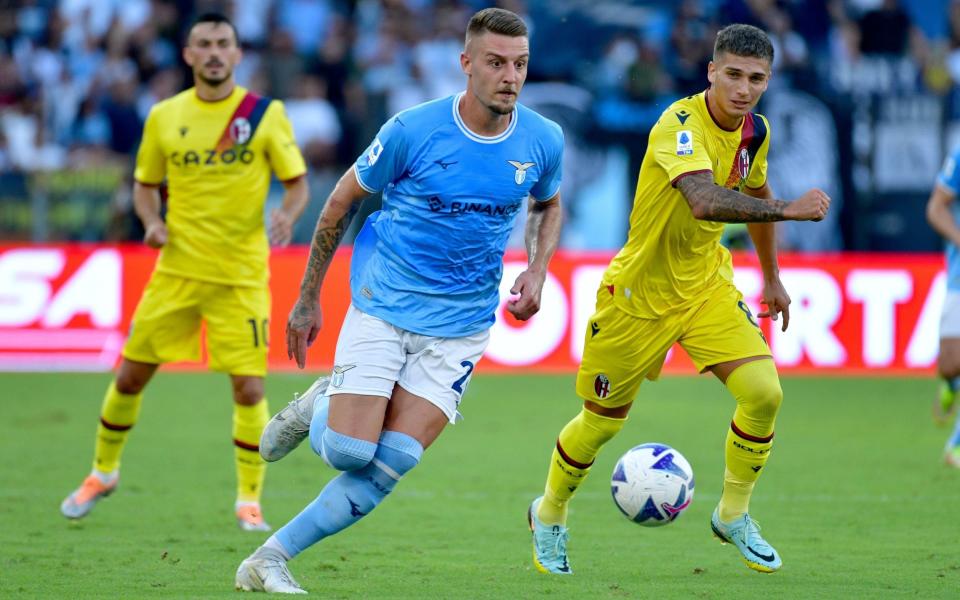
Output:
(130, 383)
(247, 391)
(948, 365)
(345, 453)
(764, 399)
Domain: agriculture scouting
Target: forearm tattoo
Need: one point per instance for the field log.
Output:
(716, 203)
(326, 238)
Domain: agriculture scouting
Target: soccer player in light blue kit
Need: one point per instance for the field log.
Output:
(425, 277)
(944, 215)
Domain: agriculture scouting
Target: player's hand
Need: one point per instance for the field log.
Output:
(812, 206)
(281, 227)
(777, 300)
(303, 325)
(156, 235)
(527, 288)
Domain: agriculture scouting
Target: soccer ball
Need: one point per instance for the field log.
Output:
(652, 484)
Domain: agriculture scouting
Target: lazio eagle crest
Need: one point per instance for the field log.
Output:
(521, 168)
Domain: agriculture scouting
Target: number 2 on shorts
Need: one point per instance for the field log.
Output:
(458, 384)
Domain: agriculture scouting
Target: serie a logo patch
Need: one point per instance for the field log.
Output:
(684, 142)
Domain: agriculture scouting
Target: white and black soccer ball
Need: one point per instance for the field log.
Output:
(652, 484)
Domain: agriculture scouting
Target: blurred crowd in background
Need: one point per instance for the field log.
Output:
(863, 102)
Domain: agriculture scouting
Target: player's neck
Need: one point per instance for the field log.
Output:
(723, 120)
(480, 119)
(210, 93)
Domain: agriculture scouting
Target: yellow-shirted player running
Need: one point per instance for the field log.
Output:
(706, 164)
(216, 145)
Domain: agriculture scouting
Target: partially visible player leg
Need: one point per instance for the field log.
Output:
(756, 387)
(411, 424)
(948, 368)
(250, 415)
(610, 373)
(952, 451)
(165, 328)
(431, 375)
(724, 337)
(284, 432)
(121, 407)
(577, 448)
(237, 320)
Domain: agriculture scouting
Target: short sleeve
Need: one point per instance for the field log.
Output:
(151, 163)
(282, 151)
(758, 172)
(549, 183)
(384, 160)
(679, 147)
(949, 176)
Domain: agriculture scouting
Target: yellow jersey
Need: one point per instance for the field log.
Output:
(217, 158)
(670, 258)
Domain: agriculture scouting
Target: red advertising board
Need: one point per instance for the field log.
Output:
(68, 307)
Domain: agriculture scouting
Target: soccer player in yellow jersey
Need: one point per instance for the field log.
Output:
(216, 144)
(705, 165)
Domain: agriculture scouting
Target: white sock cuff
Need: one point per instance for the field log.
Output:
(274, 544)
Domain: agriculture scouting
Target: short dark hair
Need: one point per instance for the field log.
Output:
(496, 20)
(743, 40)
(215, 18)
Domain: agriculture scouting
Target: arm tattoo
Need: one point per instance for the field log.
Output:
(716, 203)
(326, 238)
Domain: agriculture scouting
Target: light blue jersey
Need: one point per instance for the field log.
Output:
(431, 260)
(949, 178)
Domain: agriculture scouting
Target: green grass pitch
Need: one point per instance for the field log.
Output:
(855, 497)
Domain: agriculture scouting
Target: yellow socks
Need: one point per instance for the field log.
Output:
(117, 415)
(756, 387)
(248, 424)
(577, 447)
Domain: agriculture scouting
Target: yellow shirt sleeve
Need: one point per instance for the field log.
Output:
(758, 172)
(281, 147)
(679, 148)
(151, 163)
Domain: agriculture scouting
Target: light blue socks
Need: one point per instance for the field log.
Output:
(352, 494)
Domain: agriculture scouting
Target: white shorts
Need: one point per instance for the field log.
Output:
(950, 316)
(372, 356)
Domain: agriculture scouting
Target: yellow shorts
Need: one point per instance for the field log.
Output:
(166, 324)
(621, 350)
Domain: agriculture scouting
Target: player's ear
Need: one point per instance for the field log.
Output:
(465, 62)
(711, 71)
(187, 55)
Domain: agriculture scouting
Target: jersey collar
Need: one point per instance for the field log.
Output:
(476, 137)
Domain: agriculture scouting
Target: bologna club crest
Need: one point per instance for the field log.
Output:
(743, 163)
(240, 130)
(601, 386)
